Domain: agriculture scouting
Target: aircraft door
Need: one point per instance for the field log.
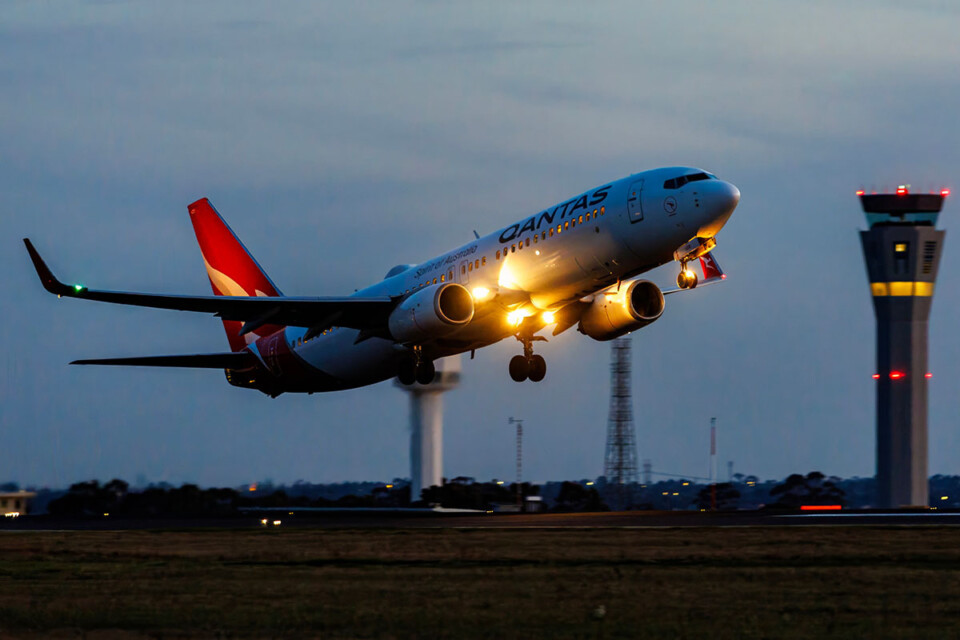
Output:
(634, 205)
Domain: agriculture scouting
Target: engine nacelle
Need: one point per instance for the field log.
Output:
(614, 313)
(432, 312)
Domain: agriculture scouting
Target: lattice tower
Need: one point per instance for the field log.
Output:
(620, 463)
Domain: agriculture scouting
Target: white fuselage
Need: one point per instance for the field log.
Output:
(540, 263)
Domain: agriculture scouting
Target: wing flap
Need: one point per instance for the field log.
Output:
(229, 360)
(351, 312)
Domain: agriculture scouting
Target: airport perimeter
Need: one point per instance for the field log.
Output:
(520, 581)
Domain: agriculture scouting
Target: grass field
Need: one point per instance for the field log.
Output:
(765, 582)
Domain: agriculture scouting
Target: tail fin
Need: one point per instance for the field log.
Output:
(711, 268)
(230, 267)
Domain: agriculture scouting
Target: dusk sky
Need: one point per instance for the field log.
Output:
(339, 139)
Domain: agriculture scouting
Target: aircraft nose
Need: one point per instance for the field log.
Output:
(728, 197)
(721, 200)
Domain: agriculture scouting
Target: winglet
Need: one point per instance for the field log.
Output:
(47, 279)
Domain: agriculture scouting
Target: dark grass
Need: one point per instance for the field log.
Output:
(796, 582)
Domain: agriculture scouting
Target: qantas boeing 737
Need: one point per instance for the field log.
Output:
(575, 263)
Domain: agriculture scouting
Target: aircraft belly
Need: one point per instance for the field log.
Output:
(353, 365)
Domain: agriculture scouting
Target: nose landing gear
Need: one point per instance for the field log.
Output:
(528, 366)
(415, 368)
(687, 278)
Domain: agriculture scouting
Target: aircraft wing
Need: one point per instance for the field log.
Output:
(228, 360)
(712, 273)
(254, 312)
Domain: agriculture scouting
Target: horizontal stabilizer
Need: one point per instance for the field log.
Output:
(230, 360)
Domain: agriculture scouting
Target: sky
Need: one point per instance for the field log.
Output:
(339, 139)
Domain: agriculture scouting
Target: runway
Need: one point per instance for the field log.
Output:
(400, 519)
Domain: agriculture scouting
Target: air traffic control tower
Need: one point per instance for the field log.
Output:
(902, 249)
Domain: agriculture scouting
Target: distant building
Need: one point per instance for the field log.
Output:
(17, 502)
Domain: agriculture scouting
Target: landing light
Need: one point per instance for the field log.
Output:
(548, 317)
(480, 293)
(515, 317)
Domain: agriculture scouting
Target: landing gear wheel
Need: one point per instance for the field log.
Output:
(519, 368)
(407, 371)
(687, 278)
(426, 372)
(538, 368)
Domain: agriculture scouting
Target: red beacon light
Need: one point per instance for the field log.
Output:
(902, 190)
(928, 375)
(861, 192)
(897, 375)
(945, 192)
(876, 376)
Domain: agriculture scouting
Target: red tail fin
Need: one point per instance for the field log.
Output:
(711, 268)
(230, 267)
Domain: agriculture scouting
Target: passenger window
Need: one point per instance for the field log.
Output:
(559, 228)
(463, 269)
(434, 281)
(566, 225)
(551, 232)
(513, 248)
(602, 209)
(528, 242)
(535, 239)
(476, 265)
(443, 278)
(483, 261)
(498, 254)
(543, 235)
(580, 220)
(470, 267)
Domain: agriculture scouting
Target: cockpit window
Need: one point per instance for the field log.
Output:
(676, 183)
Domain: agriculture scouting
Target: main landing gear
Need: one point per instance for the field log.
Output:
(528, 366)
(415, 368)
(687, 278)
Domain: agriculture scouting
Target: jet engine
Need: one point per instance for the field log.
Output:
(614, 313)
(432, 312)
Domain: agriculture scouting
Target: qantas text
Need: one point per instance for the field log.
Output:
(568, 208)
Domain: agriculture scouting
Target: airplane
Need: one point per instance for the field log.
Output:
(575, 263)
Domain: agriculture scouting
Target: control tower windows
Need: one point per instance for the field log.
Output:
(901, 261)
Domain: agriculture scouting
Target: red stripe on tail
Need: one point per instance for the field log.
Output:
(230, 267)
